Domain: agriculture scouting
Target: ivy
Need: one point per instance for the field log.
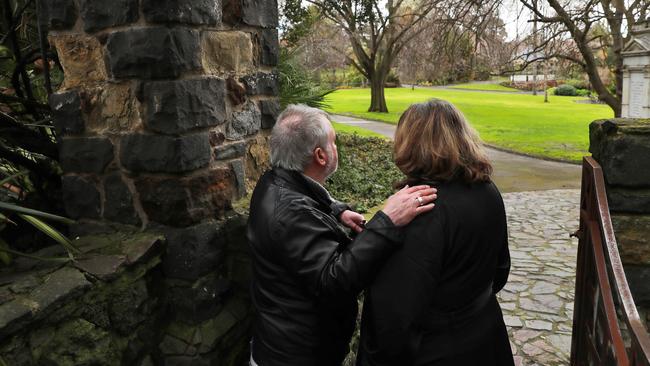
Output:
(366, 171)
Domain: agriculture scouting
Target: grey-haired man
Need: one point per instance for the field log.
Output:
(307, 272)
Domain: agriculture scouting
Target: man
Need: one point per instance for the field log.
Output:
(307, 272)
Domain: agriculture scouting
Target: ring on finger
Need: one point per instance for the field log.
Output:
(420, 200)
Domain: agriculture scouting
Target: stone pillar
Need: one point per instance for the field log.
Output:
(162, 121)
(622, 148)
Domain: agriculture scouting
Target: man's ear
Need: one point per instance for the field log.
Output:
(320, 157)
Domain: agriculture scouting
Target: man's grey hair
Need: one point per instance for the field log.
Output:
(298, 131)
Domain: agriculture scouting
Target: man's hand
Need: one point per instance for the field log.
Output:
(406, 204)
(353, 220)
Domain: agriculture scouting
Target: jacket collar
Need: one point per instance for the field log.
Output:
(299, 182)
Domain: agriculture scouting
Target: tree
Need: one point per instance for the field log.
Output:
(315, 48)
(578, 21)
(377, 34)
(472, 47)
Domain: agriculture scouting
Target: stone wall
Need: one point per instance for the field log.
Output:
(622, 147)
(162, 121)
(105, 309)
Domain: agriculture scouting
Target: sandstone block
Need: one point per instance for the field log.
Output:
(81, 197)
(182, 11)
(269, 47)
(152, 53)
(244, 123)
(257, 159)
(118, 203)
(66, 110)
(112, 108)
(227, 52)
(85, 155)
(81, 57)
(100, 14)
(155, 153)
(179, 106)
(58, 14)
(261, 83)
(270, 112)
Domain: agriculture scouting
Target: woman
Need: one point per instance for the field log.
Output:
(433, 302)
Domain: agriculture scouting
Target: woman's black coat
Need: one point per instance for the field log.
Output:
(433, 301)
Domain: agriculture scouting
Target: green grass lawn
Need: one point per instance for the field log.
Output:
(484, 87)
(517, 122)
(341, 128)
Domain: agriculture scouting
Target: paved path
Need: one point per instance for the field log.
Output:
(512, 172)
(537, 301)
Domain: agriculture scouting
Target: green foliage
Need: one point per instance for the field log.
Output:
(348, 77)
(566, 90)
(32, 217)
(583, 92)
(29, 169)
(296, 84)
(296, 22)
(366, 171)
(27, 72)
(578, 83)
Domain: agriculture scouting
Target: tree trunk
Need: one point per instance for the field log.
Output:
(377, 98)
(617, 45)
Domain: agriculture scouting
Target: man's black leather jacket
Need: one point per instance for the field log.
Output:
(307, 272)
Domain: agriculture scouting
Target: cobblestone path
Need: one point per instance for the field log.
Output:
(537, 302)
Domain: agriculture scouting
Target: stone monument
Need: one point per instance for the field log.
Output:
(636, 73)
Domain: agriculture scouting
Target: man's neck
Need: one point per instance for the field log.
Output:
(321, 185)
(315, 176)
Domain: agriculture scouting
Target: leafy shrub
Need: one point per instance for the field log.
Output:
(566, 90)
(297, 86)
(30, 182)
(583, 92)
(342, 78)
(366, 171)
(528, 85)
(578, 84)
